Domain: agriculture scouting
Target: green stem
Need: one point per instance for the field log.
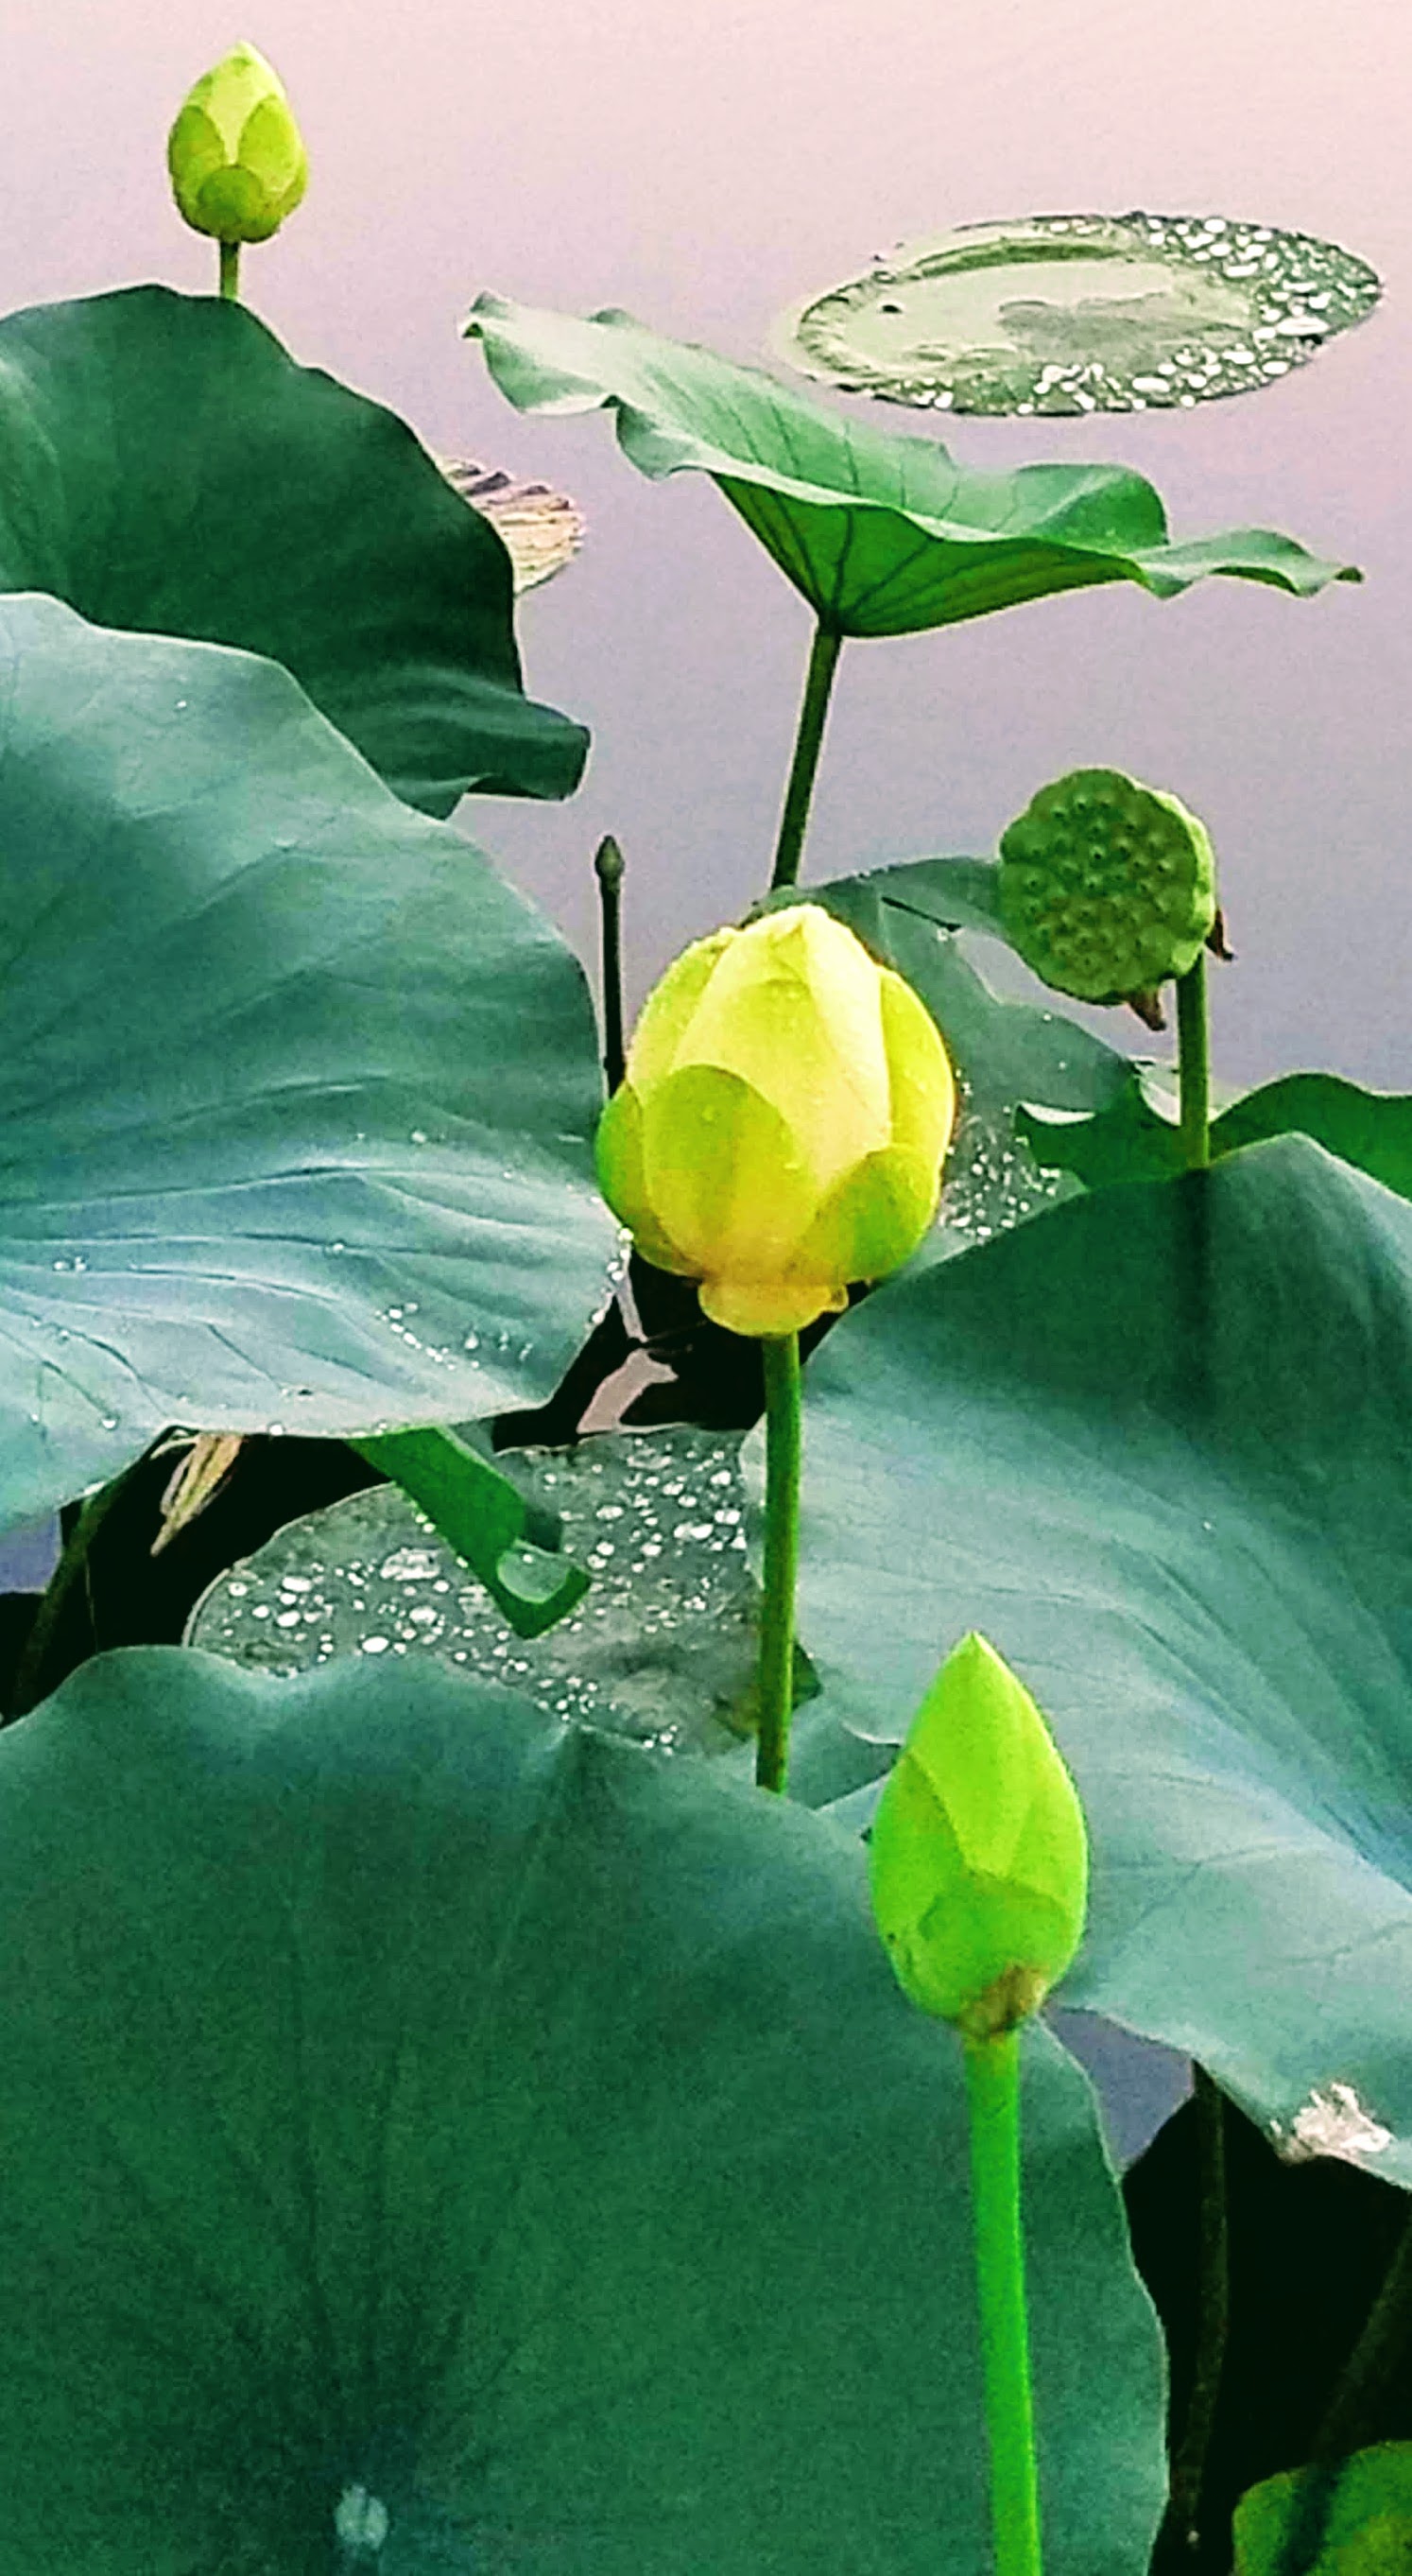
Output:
(783, 1443)
(230, 271)
(1194, 1066)
(608, 868)
(993, 2090)
(808, 742)
(29, 1674)
(1180, 2535)
(1353, 2418)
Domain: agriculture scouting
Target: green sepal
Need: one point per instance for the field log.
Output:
(724, 1176)
(618, 1159)
(873, 1219)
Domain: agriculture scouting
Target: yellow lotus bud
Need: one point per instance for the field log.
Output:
(979, 1852)
(235, 154)
(781, 1128)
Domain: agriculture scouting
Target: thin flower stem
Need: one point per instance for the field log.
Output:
(993, 2092)
(783, 1444)
(608, 868)
(1194, 1066)
(808, 742)
(230, 271)
(1180, 2536)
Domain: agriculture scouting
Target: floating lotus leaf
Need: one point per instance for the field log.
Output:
(168, 467)
(882, 535)
(1081, 313)
(664, 1647)
(299, 1094)
(1154, 1446)
(436, 2138)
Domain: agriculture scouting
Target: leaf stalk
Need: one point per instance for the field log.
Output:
(1351, 2420)
(808, 743)
(1194, 1066)
(1180, 2536)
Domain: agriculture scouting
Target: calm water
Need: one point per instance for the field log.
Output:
(703, 167)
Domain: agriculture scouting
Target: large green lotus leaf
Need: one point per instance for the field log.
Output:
(1132, 1140)
(883, 535)
(1154, 1445)
(167, 466)
(298, 1094)
(506, 2146)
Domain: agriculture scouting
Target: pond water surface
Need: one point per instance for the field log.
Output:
(706, 167)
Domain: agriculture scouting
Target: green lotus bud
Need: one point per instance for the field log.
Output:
(1106, 887)
(979, 1853)
(235, 154)
(781, 1128)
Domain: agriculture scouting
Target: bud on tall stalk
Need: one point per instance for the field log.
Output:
(235, 154)
(780, 1132)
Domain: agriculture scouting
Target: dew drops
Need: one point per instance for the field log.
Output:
(662, 1647)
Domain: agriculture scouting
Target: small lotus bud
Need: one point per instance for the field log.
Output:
(1106, 888)
(979, 1853)
(235, 154)
(781, 1128)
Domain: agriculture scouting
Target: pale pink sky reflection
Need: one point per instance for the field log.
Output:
(705, 166)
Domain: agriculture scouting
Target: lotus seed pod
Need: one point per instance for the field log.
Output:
(979, 1852)
(235, 154)
(781, 1127)
(1106, 887)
